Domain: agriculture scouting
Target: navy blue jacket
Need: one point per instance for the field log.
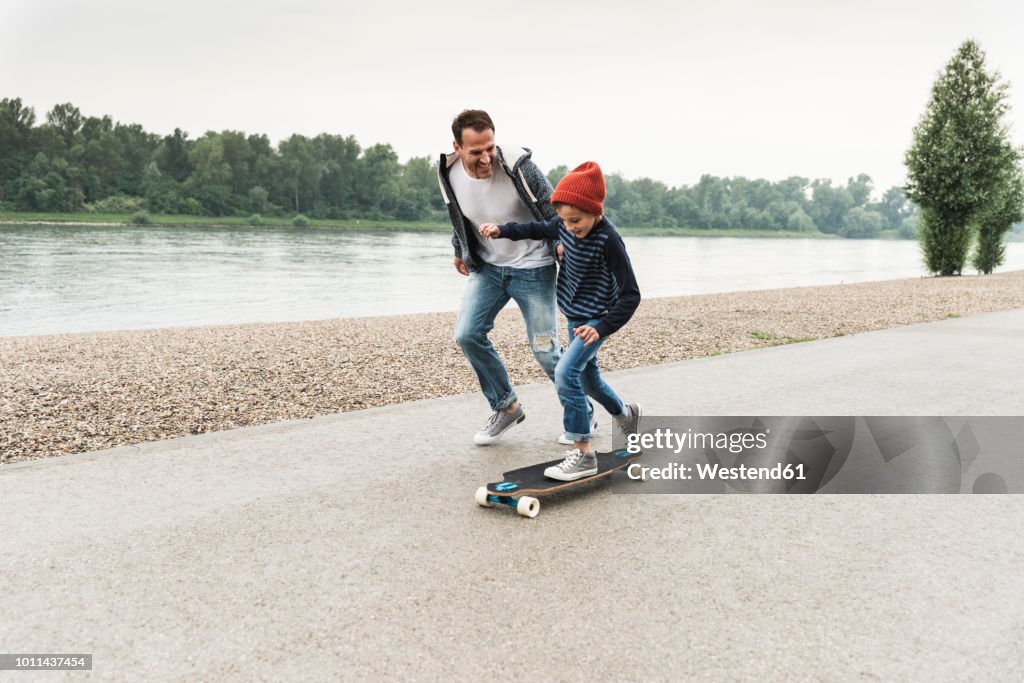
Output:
(596, 279)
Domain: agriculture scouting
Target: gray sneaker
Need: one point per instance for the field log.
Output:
(566, 441)
(631, 425)
(499, 423)
(575, 466)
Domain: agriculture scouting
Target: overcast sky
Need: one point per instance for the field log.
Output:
(668, 90)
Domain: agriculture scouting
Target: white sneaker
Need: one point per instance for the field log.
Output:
(576, 466)
(566, 441)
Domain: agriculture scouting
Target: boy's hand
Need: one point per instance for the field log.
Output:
(587, 333)
(490, 230)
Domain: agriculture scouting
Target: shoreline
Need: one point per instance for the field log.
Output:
(239, 223)
(79, 392)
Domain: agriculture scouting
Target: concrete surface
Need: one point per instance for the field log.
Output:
(349, 547)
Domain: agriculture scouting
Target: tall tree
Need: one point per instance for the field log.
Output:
(645, 205)
(799, 221)
(859, 189)
(238, 156)
(172, 155)
(67, 119)
(861, 223)
(711, 198)
(16, 151)
(340, 157)
(42, 187)
(265, 171)
(210, 181)
(829, 205)
(101, 154)
(998, 217)
(419, 198)
(957, 157)
(378, 180)
(137, 148)
(893, 208)
(301, 171)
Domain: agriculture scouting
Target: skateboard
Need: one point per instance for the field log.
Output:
(512, 490)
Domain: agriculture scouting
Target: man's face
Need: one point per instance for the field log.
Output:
(579, 223)
(477, 152)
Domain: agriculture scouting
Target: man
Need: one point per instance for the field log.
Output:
(484, 183)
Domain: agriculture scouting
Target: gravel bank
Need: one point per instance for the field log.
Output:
(64, 394)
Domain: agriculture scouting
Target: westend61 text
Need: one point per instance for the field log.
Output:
(708, 472)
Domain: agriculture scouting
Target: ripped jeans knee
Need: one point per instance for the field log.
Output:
(547, 351)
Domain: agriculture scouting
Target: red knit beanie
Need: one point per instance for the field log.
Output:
(582, 187)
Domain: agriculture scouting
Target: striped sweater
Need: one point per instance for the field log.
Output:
(596, 279)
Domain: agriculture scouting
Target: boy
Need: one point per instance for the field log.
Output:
(597, 292)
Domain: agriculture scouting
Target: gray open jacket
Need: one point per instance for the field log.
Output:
(533, 188)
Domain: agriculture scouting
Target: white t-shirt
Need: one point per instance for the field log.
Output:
(495, 200)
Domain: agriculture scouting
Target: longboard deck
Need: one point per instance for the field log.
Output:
(531, 480)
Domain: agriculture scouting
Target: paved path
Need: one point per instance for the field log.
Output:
(308, 550)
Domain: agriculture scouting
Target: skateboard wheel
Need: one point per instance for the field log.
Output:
(528, 507)
(481, 497)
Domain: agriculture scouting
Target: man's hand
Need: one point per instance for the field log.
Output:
(587, 333)
(559, 252)
(460, 266)
(490, 231)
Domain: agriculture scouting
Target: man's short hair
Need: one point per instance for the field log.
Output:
(477, 119)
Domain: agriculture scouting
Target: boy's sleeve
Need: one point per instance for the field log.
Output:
(536, 230)
(617, 259)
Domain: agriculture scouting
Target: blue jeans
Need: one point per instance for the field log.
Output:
(487, 292)
(576, 377)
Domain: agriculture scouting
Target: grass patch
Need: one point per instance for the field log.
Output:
(771, 336)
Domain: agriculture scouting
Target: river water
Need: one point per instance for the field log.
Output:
(57, 279)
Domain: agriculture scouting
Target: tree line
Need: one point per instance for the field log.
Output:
(72, 162)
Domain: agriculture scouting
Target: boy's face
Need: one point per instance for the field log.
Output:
(477, 152)
(579, 223)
